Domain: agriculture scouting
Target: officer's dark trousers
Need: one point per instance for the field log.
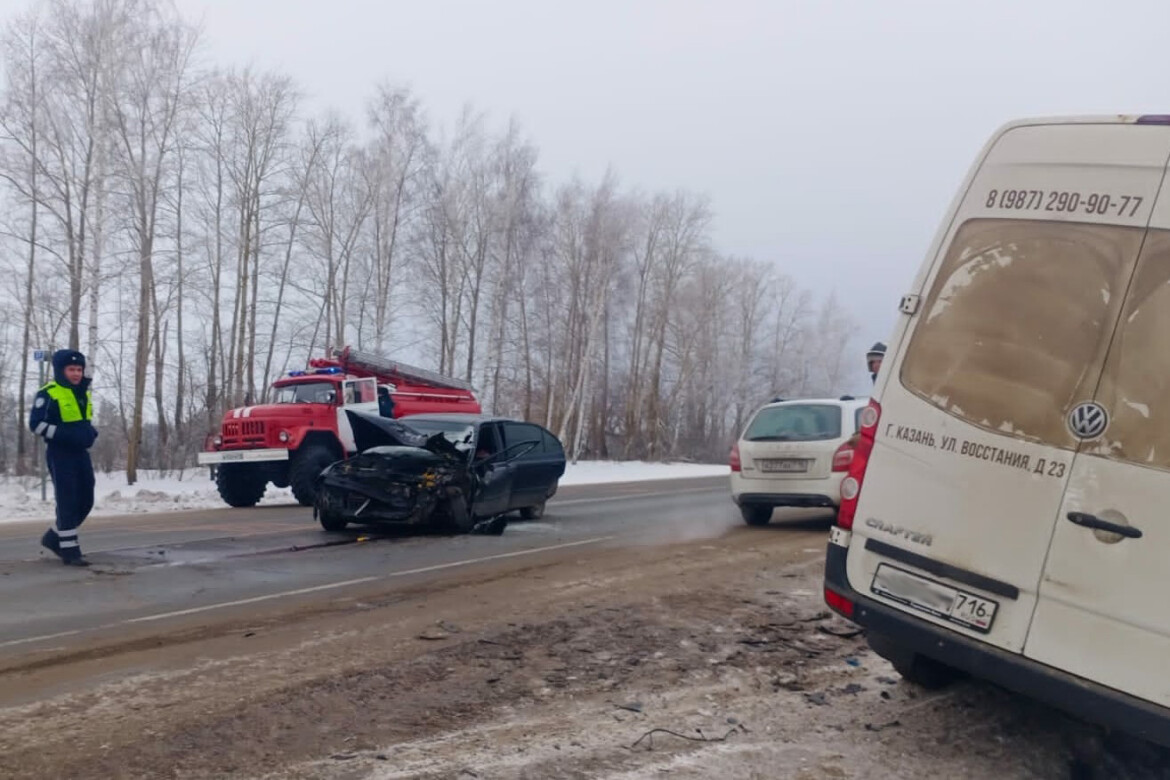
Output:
(72, 473)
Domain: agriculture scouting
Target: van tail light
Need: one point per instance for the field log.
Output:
(733, 459)
(839, 603)
(851, 485)
(843, 456)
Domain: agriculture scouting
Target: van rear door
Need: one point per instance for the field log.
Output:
(973, 451)
(1102, 611)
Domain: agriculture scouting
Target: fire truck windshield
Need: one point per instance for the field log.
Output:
(307, 393)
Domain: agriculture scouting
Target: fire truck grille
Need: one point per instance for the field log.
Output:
(243, 432)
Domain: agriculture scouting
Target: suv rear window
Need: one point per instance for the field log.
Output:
(795, 422)
(1017, 323)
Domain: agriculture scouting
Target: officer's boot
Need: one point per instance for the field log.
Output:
(51, 543)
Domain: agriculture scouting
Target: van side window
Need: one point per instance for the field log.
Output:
(1017, 323)
(1136, 385)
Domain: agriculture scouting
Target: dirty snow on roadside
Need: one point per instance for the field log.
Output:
(759, 684)
(20, 497)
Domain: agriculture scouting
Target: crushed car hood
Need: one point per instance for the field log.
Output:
(372, 430)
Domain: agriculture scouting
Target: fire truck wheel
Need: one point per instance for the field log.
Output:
(239, 485)
(534, 512)
(303, 471)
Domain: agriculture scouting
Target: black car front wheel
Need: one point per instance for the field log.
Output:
(331, 521)
(457, 517)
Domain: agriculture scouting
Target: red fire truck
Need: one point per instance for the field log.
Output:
(288, 441)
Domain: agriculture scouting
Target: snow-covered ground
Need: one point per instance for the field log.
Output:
(20, 498)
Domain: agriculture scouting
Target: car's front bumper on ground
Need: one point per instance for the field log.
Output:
(1065, 691)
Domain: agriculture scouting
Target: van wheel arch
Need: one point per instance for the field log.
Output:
(915, 668)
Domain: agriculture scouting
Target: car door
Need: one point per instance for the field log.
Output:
(1102, 611)
(526, 447)
(973, 452)
(494, 475)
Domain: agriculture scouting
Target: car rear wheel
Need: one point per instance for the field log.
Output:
(534, 512)
(756, 515)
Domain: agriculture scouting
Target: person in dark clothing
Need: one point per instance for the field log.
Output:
(873, 359)
(385, 402)
(61, 415)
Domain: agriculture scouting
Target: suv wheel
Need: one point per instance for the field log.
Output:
(756, 515)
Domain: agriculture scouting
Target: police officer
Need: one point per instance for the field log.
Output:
(61, 415)
(873, 359)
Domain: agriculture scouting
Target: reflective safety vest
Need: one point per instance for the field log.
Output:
(67, 402)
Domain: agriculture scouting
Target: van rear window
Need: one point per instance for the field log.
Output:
(795, 422)
(1017, 323)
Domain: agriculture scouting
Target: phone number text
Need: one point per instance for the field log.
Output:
(1063, 201)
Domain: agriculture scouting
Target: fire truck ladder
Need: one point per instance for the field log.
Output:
(379, 365)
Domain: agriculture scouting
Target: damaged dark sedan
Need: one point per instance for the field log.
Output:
(458, 472)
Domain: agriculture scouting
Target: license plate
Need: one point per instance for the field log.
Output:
(934, 598)
(783, 465)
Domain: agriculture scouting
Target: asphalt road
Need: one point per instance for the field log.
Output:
(164, 572)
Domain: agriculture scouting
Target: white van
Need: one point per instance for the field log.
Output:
(1007, 513)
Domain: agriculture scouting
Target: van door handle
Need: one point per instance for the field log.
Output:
(1086, 520)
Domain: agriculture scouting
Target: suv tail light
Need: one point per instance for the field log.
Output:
(851, 485)
(733, 459)
(843, 456)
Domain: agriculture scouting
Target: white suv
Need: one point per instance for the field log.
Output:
(793, 453)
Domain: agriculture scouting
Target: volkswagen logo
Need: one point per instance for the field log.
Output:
(1088, 420)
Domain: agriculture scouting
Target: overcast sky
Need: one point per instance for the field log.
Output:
(830, 136)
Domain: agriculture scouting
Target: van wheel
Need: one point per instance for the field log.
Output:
(914, 667)
(756, 515)
(303, 471)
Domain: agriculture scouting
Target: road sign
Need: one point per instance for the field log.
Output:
(39, 355)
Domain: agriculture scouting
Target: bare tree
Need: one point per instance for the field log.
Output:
(144, 106)
(395, 170)
(20, 120)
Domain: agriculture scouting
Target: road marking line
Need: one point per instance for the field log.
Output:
(555, 503)
(46, 637)
(313, 589)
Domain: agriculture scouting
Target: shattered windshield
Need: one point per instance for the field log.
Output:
(454, 431)
(306, 393)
